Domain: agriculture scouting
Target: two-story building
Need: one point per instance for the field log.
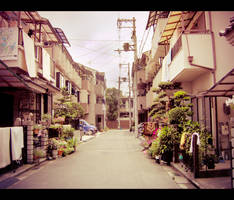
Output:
(187, 47)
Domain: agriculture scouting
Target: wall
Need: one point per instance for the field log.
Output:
(220, 20)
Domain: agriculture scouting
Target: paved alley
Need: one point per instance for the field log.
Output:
(111, 160)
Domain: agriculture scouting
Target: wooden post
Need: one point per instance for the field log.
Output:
(176, 153)
(195, 157)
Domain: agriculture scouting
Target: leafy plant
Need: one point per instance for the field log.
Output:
(39, 153)
(68, 132)
(66, 108)
(177, 115)
(112, 95)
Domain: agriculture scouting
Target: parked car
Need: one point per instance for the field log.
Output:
(86, 127)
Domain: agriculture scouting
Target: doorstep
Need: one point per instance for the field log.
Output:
(204, 183)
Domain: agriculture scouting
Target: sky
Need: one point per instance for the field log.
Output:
(94, 37)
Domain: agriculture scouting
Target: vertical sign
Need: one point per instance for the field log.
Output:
(9, 43)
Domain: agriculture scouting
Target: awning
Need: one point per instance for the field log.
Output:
(174, 22)
(40, 24)
(8, 78)
(223, 88)
(62, 36)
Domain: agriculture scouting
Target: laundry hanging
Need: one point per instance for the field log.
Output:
(17, 142)
(198, 141)
(45, 64)
(5, 147)
(29, 55)
(11, 144)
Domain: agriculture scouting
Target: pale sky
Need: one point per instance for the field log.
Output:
(94, 36)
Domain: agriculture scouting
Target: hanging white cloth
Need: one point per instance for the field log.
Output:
(5, 147)
(29, 55)
(198, 141)
(45, 64)
(17, 142)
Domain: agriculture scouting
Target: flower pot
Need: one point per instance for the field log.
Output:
(36, 131)
(167, 157)
(60, 152)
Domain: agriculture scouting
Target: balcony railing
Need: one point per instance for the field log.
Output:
(190, 56)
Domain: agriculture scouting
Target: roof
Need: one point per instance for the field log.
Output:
(62, 36)
(35, 19)
(11, 77)
(8, 78)
(154, 16)
(223, 88)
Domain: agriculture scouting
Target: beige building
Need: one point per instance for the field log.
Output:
(126, 113)
(34, 66)
(92, 96)
(187, 47)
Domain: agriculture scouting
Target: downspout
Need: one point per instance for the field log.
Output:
(213, 47)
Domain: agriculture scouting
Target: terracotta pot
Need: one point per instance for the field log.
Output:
(60, 152)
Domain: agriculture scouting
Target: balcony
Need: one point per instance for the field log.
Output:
(191, 56)
(99, 90)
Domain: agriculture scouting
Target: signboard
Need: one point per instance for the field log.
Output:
(8, 43)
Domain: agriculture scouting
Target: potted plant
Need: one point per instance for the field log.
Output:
(59, 120)
(54, 148)
(60, 151)
(209, 161)
(36, 128)
(37, 154)
(68, 132)
(46, 120)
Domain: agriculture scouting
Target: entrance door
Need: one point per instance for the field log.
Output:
(6, 114)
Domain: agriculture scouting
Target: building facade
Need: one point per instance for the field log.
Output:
(187, 48)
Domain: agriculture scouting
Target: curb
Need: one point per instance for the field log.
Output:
(190, 179)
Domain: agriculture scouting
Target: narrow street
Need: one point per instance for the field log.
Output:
(112, 160)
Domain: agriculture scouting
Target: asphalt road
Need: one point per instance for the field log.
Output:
(112, 160)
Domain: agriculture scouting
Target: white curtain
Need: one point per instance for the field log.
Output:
(45, 64)
(29, 55)
(4, 147)
(17, 142)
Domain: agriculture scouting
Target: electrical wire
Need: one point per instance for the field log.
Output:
(145, 42)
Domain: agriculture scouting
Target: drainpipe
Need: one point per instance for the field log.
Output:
(213, 46)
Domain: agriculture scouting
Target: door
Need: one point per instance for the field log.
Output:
(6, 114)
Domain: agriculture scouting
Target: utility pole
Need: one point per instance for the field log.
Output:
(133, 47)
(129, 97)
(135, 75)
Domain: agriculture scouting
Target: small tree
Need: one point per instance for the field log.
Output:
(71, 111)
(112, 96)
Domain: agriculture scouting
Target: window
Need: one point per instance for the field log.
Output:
(59, 80)
(68, 86)
(45, 99)
(78, 96)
